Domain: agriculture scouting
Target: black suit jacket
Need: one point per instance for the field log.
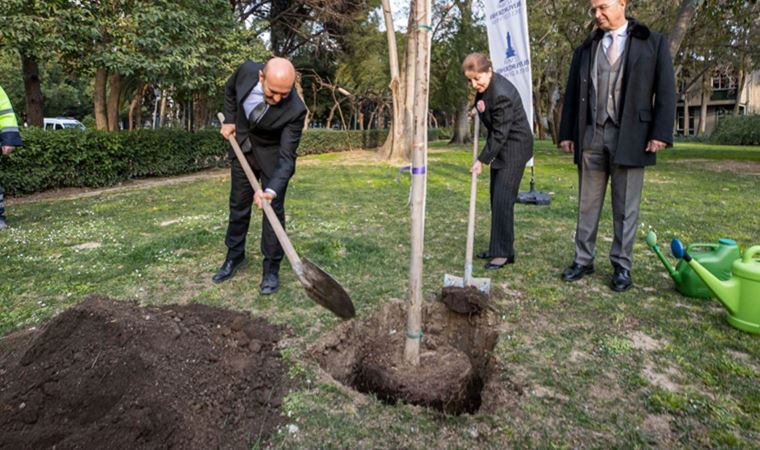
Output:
(648, 99)
(510, 140)
(275, 138)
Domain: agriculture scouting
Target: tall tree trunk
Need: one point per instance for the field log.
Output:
(299, 91)
(555, 112)
(740, 85)
(114, 93)
(162, 110)
(408, 81)
(135, 106)
(32, 87)
(419, 158)
(199, 110)
(461, 133)
(393, 147)
(683, 20)
(686, 125)
(99, 99)
(705, 99)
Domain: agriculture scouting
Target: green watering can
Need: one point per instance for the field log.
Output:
(717, 258)
(740, 294)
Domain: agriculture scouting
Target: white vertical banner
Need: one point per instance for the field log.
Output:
(509, 45)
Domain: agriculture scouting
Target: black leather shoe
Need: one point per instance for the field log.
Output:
(621, 280)
(491, 266)
(270, 284)
(576, 271)
(3, 225)
(228, 269)
(483, 255)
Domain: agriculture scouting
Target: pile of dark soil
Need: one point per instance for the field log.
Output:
(110, 374)
(455, 357)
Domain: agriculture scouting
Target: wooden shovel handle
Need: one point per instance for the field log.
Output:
(473, 196)
(290, 251)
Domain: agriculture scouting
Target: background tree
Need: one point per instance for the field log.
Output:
(28, 27)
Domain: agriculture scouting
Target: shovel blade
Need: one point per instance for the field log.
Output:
(323, 289)
(482, 284)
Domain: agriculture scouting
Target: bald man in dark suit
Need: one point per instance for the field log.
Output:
(267, 118)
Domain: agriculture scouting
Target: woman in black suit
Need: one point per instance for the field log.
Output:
(509, 146)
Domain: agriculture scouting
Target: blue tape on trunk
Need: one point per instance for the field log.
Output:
(419, 170)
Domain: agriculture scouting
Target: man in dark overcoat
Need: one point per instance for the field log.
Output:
(618, 112)
(267, 118)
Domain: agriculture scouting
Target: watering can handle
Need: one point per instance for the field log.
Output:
(699, 245)
(750, 253)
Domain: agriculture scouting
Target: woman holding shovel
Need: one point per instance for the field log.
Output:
(508, 148)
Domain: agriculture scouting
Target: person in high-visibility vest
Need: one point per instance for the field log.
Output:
(10, 138)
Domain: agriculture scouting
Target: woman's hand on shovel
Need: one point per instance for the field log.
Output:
(477, 168)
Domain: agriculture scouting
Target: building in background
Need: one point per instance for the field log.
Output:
(714, 98)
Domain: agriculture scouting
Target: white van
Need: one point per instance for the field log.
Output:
(60, 123)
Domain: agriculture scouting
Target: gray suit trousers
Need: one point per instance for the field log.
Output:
(595, 170)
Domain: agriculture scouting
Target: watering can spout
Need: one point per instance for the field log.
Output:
(726, 291)
(652, 243)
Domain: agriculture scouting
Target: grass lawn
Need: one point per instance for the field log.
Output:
(589, 368)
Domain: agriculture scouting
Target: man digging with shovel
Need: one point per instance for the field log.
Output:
(266, 120)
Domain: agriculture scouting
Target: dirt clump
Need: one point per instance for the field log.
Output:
(111, 374)
(465, 300)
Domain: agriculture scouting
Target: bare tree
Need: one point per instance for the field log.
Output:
(419, 177)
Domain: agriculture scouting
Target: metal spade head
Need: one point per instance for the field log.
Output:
(481, 284)
(323, 289)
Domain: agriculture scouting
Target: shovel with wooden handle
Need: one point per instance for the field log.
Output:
(319, 285)
(482, 284)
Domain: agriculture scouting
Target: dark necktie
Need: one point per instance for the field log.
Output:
(257, 112)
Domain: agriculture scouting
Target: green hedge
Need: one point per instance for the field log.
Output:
(737, 130)
(73, 158)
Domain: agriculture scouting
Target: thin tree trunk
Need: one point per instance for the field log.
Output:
(393, 147)
(199, 110)
(683, 20)
(555, 112)
(32, 88)
(461, 133)
(162, 111)
(331, 116)
(740, 85)
(703, 109)
(114, 92)
(99, 99)
(686, 125)
(299, 91)
(408, 81)
(419, 157)
(135, 106)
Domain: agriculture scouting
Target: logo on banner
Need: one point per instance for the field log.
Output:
(511, 53)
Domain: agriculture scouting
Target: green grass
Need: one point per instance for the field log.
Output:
(581, 365)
